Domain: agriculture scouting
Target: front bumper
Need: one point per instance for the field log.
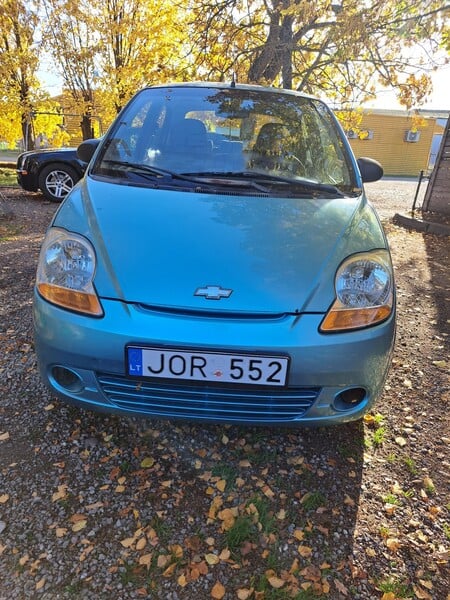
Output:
(82, 359)
(26, 181)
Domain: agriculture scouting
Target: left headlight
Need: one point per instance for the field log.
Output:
(364, 286)
(66, 271)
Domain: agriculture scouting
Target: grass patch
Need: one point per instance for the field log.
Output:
(401, 590)
(243, 530)
(263, 586)
(162, 529)
(410, 465)
(8, 231)
(8, 177)
(313, 501)
(265, 515)
(379, 436)
(227, 472)
(390, 499)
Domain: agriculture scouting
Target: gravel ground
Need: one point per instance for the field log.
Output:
(98, 507)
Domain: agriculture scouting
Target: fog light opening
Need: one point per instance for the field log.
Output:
(67, 379)
(350, 398)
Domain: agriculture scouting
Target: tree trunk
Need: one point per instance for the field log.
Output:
(286, 43)
(87, 129)
(27, 131)
(276, 54)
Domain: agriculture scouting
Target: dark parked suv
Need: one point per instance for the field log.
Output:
(54, 171)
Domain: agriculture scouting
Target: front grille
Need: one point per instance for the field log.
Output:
(208, 403)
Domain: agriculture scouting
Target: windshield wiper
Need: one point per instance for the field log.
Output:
(227, 178)
(254, 176)
(148, 170)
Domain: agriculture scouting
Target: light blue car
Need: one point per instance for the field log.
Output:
(219, 262)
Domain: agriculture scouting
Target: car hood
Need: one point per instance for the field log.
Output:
(159, 247)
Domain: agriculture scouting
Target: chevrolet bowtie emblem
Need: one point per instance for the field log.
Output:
(213, 292)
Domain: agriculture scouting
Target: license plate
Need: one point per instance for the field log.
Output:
(207, 366)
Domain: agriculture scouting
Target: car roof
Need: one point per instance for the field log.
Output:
(232, 85)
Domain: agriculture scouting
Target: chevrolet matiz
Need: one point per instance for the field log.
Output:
(218, 262)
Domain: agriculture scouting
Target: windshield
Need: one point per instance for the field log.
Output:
(215, 134)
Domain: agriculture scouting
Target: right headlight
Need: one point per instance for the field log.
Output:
(66, 271)
(364, 285)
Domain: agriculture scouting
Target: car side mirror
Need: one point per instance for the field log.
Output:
(370, 169)
(85, 150)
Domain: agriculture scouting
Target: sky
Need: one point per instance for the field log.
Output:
(439, 99)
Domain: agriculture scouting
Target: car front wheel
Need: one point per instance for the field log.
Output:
(56, 181)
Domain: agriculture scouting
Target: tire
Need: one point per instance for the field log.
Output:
(56, 181)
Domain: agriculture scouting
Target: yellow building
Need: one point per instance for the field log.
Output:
(404, 143)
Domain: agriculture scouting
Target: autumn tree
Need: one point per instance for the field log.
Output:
(19, 57)
(73, 44)
(105, 50)
(344, 50)
(139, 44)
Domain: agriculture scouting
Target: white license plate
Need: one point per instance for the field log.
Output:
(207, 366)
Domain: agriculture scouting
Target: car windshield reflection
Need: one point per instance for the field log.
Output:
(243, 131)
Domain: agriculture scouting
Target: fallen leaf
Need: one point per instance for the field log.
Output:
(299, 534)
(23, 560)
(393, 544)
(4, 498)
(390, 509)
(244, 593)
(311, 573)
(170, 570)
(128, 542)
(176, 550)
(304, 551)
(60, 532)
(426, 584)
(276, 582)
(60, 494)
(441, 364)
(4, 436)
(182, 581)
(162, 561)
(225, 554)
(141, 543)
(95, 505)
(267, 491)
(389, 596)
(221, 485)
(146, 560)
(40, 584)
(147, 463)
(227, 517)
(79, 525)
(218, 591)
(245, 463)
(340, 587)
(212, 559)
(421, 594)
